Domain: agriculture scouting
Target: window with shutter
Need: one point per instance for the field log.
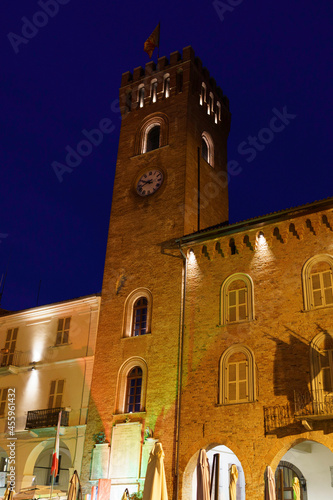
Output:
(237, 299)
(317, 276)
(63, 331)
(237, 376)
(3, 401)
(10, 345)
(56, 393)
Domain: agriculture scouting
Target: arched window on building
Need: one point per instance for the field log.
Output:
(203, 93)
(153, 90)
(153, 138)
(166, 86)
(128, 102)
(237, 299)
(137, 313)
(317, 277)
(140, 310)
(133, 390)
(132, 386)
(141, 96)
(237, 375)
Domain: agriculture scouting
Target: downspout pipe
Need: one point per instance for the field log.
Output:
(180, 366)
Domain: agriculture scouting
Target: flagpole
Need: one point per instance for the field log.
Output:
(159, 36)
(52, 481)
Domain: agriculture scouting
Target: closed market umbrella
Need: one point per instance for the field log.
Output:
(270, 484)
(155, 483)
(74, 487)
(233, 481)
(296, 489)
(8, 495)
(125, 495)
(203, 476)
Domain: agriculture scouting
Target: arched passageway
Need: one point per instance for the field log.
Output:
(225, 458)
(312, 463)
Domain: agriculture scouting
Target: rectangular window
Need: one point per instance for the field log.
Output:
(63, 331)
(9, 349)
(322, 288)
(3, 401)
(237, 375)
(56, 393)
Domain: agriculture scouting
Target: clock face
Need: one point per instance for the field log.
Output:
(149, 182)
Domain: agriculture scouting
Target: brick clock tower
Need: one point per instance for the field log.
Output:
(170, 181)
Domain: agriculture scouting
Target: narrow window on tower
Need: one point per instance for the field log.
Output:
(153, 91)
(153, 138)
(140, 310)
(141, 96)
(218, 112)
(210, 107)
(128, 101)
(203, 94)
(166, 88)
(133, 392)
(179, 81)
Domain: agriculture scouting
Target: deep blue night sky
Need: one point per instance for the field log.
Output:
(65, 78)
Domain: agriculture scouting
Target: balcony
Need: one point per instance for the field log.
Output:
(314, 405)
(9, 361)
(39, 419)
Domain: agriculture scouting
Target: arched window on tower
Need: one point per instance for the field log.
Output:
(207, 148)
(140, 310)
(237, 299)
(141, 96)
(133, 390)
(153, 91)
(153, 138)
(317, 276)
(166, 86)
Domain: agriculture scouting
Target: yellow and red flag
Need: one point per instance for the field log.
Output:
(152, 41)
(55, 457)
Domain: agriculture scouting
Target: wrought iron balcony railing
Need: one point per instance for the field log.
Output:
(276, 417)
(37, 419)
(315, 405)
(16, 358)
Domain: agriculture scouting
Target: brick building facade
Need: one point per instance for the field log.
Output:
(211, 335)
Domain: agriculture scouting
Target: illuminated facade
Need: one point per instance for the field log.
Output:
(211, 335)
(47, 356)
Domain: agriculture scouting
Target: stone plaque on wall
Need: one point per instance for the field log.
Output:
(125, 451)
(100, 461)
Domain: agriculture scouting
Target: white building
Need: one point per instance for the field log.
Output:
(46, 363)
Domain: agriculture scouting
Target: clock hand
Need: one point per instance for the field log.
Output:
(147, 182)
